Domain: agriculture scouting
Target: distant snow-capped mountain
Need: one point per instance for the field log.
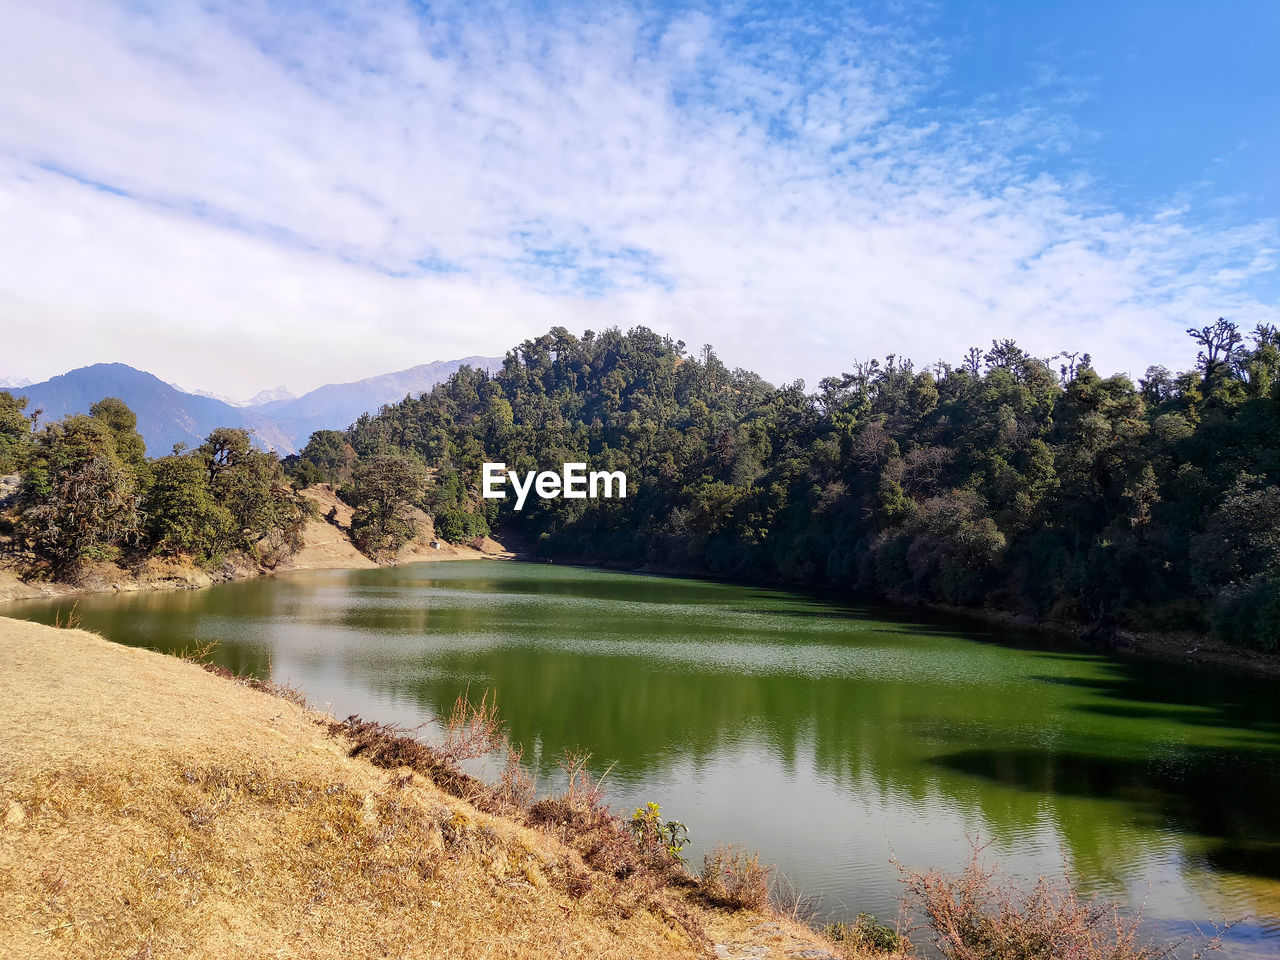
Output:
(258, 399)
(209, 395)
(275, 395)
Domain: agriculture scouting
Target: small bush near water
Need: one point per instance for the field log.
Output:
(580, 817)
(654, 833)
(735, 878)
(978, 914)
(866, 934)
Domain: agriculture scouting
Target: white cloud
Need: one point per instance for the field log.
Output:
(282, 177)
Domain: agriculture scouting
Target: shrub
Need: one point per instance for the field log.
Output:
(735, 878)
(580, 818)
(303, 473)
(391, 747)
(866, 935)
(516, 787)
(1248, 615)
(471, 731)
(458, 526)
(979, 915)
(657, 835)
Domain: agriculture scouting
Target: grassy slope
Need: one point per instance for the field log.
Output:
(150, 809)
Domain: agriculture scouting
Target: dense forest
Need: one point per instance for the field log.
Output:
(1006, 481)
(1015, 483)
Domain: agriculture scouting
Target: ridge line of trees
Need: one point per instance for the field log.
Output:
(1007, 481)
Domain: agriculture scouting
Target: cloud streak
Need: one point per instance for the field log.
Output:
(234, 196)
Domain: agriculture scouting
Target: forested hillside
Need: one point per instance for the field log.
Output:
(1008, 481)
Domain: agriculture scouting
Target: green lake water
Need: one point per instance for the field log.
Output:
(830, 736)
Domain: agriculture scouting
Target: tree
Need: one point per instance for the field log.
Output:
(15, 431)
(327, 457)
(123, 424)
(77, 501)
(1218, 345)
(181, 515)
(1241, 538)
(459, 526)
(223, 450)
(1004, 480)
(385, 488)
(266, 515)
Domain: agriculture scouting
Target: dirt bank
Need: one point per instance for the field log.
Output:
(151, 809)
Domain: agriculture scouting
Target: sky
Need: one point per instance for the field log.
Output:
(235, 196)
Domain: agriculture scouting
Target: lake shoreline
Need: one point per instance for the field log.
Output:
(326, 545)
(167, 575)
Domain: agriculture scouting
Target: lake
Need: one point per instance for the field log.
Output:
(831, 736)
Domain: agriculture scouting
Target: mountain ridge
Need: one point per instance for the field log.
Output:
(168, 414)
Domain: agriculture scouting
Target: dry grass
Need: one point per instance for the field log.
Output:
(71, 621)
(151, 809)
(472, 729)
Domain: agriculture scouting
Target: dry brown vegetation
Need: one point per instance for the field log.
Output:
(735, 878)
(152, 809)
(634, 875)
(978, 914)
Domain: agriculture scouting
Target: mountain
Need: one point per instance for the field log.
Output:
(168, 415)
(212, 396)
(16, 384)
(338, 405)
(258, 399)
(268, 396)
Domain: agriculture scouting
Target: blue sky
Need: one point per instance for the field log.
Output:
(236, 195)
(1171, 97)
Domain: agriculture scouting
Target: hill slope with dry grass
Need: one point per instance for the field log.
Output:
(153, 809)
